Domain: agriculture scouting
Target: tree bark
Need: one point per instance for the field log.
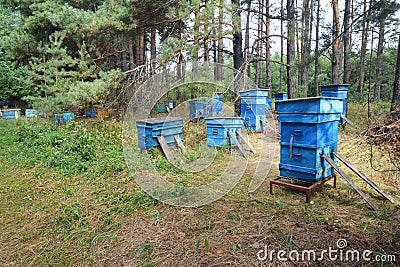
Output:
(379, 59)
(291, 51)
(131, 55)
(316, 50)
(346, 43)
(238, 59)
(282, 47)
(259, 64)
(396, 84)
(153, 47)
(196, 29)
(337, 53)
(268, 78)
(206, 54)
(306, 47)
(247, 37)
(124, 61)
(220, 68)
(364, 40)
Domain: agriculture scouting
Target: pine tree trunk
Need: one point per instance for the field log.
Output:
(378, 77)
(117, 61)
(206, 54)
(131, 55)
(124, 61)
(316, 50)
(247, 37)
(299, 49)
(153, 47)
(305, 76)
(337, 52)
(396, 84)
(259, 65)
(291, 52)
(364, 40)
(238, 59)
(220, 71)
(346, 43)
(268, 78)
(196, 30)
(137, 49)
(142, 49)
(282, 47)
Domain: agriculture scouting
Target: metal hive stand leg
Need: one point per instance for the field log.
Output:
(306, 189)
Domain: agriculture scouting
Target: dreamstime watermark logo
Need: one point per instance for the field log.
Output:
(339, 253)
(142, 166)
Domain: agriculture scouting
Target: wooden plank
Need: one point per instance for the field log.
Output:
(365, 178)
(233, 137)
(165, 148)
(180, 143)
(246, 142)
(359, 191)
(350, 123)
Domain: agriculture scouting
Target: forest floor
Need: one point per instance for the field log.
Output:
(68, 199)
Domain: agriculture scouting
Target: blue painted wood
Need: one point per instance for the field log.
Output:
(337, 91)
(310, 134)
(204, 107)
(63, 117)
(308, 118)
(281, 96)
(90, 112)
(11, 113)
(149, 129)
(30, 113)
(254, 109)
(311, 105)
(305, 161)
(309, 128)
(254, 93)
(218, 128)
(218, 97)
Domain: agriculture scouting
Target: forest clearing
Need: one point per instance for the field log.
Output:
(200, 133)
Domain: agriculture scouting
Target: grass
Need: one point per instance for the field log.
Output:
(67, 199)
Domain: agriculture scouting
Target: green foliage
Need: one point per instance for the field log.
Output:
(74, 148)
(65, 82)
(14, 82)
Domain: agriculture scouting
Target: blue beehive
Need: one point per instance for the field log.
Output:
(92, 112)
(218, 97)
(218, 128)
(309, 127)
(197, 108)
(337, 91)
(281, 96)
(11, 113)
(63, 117)
(204, 107)
(30, 113)
(149, 129)
(254, 108)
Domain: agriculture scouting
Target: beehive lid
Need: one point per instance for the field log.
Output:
(335, 87)
(310, 105)
(159, 120)
(254, 93)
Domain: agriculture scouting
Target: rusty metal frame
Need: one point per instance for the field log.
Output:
(306, 189)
